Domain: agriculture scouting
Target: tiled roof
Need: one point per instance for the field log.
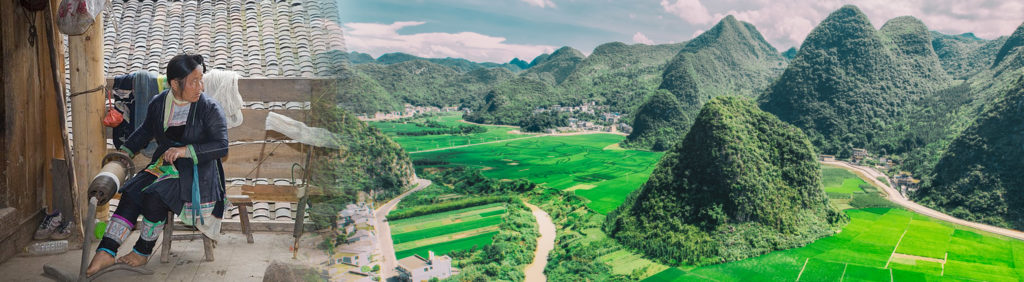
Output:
(256, 38)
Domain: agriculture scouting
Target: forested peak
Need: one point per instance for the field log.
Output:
(1013, 43)
(555, 68)
(659, 122)
(790, 53)
(539, 59)
(739, 178)
(610, 48)
(519, 63)
(730, 31)
(839, 27)
(566, 53)
(910, 35)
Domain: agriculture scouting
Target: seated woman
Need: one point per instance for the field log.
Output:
(185, 176)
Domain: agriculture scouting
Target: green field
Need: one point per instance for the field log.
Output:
(838, 180)
(584, 163)
(446, 231)
(879, 245)
(446, 247)
(427, 142)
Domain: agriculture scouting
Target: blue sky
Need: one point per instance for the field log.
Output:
(498, 30)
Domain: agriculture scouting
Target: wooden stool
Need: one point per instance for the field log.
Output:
(169, 237)
(242, 201)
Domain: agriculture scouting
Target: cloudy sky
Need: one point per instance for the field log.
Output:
(499, 30)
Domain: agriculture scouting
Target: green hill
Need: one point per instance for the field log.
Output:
(619, 75)
(978, 177)
(912, 44)
(731, 58)
(368, 161)
(932, 124)
(511, 102)
(659, 123)
(849, 84)
(555, 68)
(964, 55)
(363, 94)
(741, 183)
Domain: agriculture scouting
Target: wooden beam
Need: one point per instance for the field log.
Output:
(274, 193)
(86, 61)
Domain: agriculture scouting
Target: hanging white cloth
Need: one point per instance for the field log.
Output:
(299, 131)
(222, 86)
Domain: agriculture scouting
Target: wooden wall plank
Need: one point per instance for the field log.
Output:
(243, 158)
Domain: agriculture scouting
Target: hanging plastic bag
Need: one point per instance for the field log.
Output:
(75, 16)
(113, 117)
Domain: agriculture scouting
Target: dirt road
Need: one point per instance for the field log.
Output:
(546, 242)
(871, 175)
(383, 231)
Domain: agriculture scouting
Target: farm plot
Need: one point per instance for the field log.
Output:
(447, 231)
(428, 142)
(581, 163)
(879, 245)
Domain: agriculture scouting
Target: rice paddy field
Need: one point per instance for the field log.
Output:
(428, 142)
(589, 165)
(879, 245)
(838, 180)
(446, 231)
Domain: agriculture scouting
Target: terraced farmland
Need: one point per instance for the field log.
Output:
(446, 231)
(879, 245)
(586, 164)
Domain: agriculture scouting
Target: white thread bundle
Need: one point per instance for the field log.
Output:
(222, 86)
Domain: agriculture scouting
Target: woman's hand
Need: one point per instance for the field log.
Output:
(174, 153)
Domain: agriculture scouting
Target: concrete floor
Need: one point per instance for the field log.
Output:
(235, 260)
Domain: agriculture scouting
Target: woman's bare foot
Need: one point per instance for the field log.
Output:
(133, 259)
(99, 261)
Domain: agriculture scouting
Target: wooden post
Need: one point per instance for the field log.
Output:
(86, 62)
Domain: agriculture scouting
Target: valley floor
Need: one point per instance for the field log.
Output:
(870, 174)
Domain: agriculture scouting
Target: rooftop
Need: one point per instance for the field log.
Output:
(281, 38)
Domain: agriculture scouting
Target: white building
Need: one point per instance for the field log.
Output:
(353, 254)
(416, 268)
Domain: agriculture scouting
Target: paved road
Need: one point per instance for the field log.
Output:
(383, 231)
(546, 242)
(871, 175)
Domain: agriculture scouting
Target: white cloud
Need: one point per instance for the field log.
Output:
(639, 37)
(787, 23)
(691, 11)
(377, 39)
(541, 3)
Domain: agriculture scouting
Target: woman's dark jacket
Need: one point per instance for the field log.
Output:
(206, 131)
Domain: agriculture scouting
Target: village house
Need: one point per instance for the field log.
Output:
(859, 155)
(827, 158)
(416, 268)
(906, 181)
(352, 254)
